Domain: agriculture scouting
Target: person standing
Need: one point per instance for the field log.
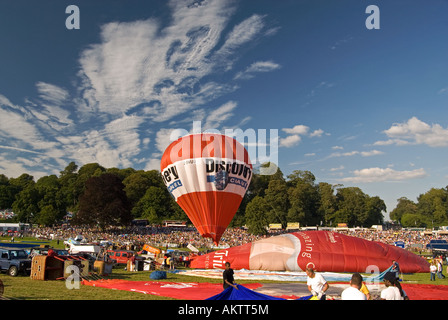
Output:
(317, 284)
(440, 269)
(227, 277)
(353, 292)
(393, 290)
(396, 269)
(433, 270)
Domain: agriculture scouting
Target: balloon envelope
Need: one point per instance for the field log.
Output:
(208, 175)
(321, 250)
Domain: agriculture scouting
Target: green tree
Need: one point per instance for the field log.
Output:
(26, 205)
(137, 183)
(7, 192)
(404, 206)
(373, 212)
(304, 198)
(52, 199)
(327, 201)
(155, 205)
(351, 206)
(67, 180)
(104, 202)
(277, 200)
(256, 216)
(413, 220)
(433, 205)
(84, 173)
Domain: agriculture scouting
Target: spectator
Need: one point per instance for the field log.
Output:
(433, 270)
(393, 289)
(353, 292)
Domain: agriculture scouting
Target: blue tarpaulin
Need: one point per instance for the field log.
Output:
(378, 277)
(241, 294)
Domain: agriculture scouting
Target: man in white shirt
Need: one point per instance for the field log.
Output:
(352, 292)
(316, 284)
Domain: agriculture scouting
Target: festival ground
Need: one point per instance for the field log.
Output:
(281, 289)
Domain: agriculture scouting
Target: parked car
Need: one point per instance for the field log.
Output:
(15, 261)
(120, 256)
(44, 251)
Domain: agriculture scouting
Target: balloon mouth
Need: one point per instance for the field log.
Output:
(213, 236)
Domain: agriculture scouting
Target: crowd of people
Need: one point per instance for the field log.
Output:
(181, 237)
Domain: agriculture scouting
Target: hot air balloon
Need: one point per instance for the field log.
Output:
(208, 175)
(321, 250)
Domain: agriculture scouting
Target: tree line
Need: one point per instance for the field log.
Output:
(111, 196)
(430, 210)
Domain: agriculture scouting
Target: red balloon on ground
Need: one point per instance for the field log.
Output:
(324, 251)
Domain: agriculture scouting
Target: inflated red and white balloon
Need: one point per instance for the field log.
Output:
(321, 250)
(208, 175)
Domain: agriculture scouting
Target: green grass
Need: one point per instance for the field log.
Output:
(24, 288)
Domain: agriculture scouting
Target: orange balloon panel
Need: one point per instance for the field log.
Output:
(218, 205)
(208, 175)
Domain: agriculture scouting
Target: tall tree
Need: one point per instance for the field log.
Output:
(373, 212)
(26, 205)
(433, 205)
(104, 202)
(52, 205)
(277, 200)
(67, 181)
(7, 192)
(155, 205)
(256, 216)
(137, 183)
(327, 201)
(404, 207)
(304, 198)
(351, 206)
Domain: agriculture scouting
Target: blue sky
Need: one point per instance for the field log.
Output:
(356, 107)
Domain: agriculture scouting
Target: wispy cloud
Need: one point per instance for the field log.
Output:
(415, 131)
(257, 67)
(354, 153)
(376, 174)
(295, 135)
(140, 76)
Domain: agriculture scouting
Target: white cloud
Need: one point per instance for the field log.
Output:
(256, 67)
(384, 174)
(341, 167)
(415, 131)
(354, 153)
(443, 90)
(298, 129)
(290, 141)
(295, 133)
(317, 133)
(140, 76)
(242, 33)
(219, 115)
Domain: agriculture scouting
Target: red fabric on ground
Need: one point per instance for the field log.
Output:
(425, 291)
(177, 290)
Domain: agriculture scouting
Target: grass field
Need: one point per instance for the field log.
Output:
(24, 288)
